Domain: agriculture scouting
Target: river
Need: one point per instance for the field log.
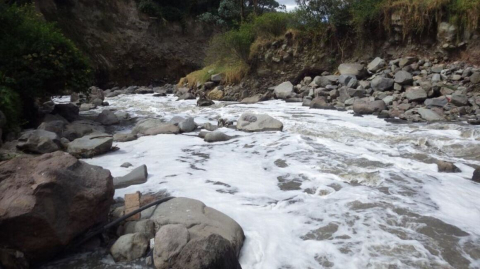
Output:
(330, 191)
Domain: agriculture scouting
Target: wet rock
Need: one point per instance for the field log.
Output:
(164, 128)
(90, 145)
(186, 96)
(129, 247)
(362, 107)
(216, 136)
(107, 117)
(254, 99)
(382, 84)
(403, 78)
(49, 200)
(415, 94)
(143, 125)
(169, 241)
(67, 111)
(429, 115)
(476, 175)
(204, 102)
(201, 221)
(215, 94)
(251, 122)
(39, 141)
(376, 65)
(126, 165)
(124, 137)
(137, 176)
(354, 69)
(284, 90)
(87, 107)
(321, 103)
(447, 167)
(188, 125)
(144, 90)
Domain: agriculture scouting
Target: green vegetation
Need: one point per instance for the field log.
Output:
(36, 62)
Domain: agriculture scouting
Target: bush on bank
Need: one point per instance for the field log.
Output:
(36, 62)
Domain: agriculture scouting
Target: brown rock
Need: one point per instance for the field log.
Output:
(48, 200)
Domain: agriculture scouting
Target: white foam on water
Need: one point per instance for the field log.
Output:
(330, 191)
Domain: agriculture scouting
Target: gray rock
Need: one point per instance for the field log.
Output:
(406, 61)
(459, 100)
(137, 176)
(144, 90)
(169, 241)
(188, 125)
(382, 84)
(321, 103)
(67, 111)
(436, 78)
(81, 128)
(429, 115)
(350, 101)
(126, 165)
(353, 83)
(376, 65)
(345, 79)
(437, 68)
(186, 96)
(202, 134)
(306, 102)
(164, 128)
(210, 127)
(216, 136)
(87, 107)
(216, 78)
(438, 102)
(107, 117)
(388, 100)
(284, 90)
(416, 94)
(129, 247)
(205, 102)
(143, 125)
(97, 102)
(39, 141)
(403, 78)
(362, 107)
(124, 137)
(355, 69)
(251, 122)
(447, 167)
(90, 145)
(55, 126)
(122, 115)
(253, 99)
(358, 92)
(475, 78)
(476, 175)
(200, 220)
(321, 81)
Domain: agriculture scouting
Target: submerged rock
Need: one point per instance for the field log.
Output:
(124, 137)
(49, 200)
(251, 122)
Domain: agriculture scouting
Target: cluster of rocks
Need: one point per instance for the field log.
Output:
(203, 238)
(406, 88)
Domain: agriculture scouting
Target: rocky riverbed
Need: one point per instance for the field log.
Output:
(331, 190)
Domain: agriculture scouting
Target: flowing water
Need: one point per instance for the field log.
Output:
(330, 191)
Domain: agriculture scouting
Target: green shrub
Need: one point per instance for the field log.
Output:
(11, 106)
(36, 60)
(150, 8)
(272, 24)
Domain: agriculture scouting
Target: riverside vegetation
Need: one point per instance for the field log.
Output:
(320, 72)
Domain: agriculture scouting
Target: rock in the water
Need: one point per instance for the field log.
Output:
(429, 115)
(213, 252)
(200, 220)
(284, 90)
(251, 122)
(205, 102)
(87, 107)
(138, 175)
(68, 111)
(126, 165)
(39, 141)
(107, 117)
(253, 99)
(164, 128)
(447, 167)
(90, 145)
(403, 78)
(476, 175)
(210, 127)
(188, 125)
(142, 126)
(49, 200)
(216, 136)
(354, 69)
(169, 241)
(362, 107)
(382, 84)
(124, 137)
(129, 247)
(215, 94)
(321, 103)
(376, 65)
(415, 94)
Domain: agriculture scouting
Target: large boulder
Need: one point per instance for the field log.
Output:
(459, 100)
(201, 222)
(354, 69)
(321, 81)
(138, 175)
(204, 102)
(169, 241)
(54, 126)
(382, 84)
(164, 128)
(429, 115)
(68, 111)
(142, 126)
(251, 122)
(129, 247)
(362, 107)
(438, 102)
(254, 99)
(107, 117)
(39, 141)
(81, 128)
(90, 145)
(187, 125)
(49, 200)
(416, 94)
(284, 90)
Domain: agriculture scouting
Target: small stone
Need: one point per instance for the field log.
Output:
(126, 165)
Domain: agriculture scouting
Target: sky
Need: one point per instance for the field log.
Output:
(290, 4)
